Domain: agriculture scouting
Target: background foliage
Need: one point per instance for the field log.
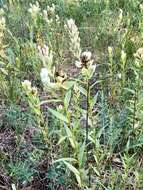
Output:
(89, 136)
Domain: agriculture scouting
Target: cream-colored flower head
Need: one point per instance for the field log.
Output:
(45, 54)
(86, 64)
(26, 84)
(74, 38)
(44, 74)
(141, 7)
(123, 56)
(86, 56)
(121, 15)
(85, 60)
(139, 54)
(49, 15)
(2, 12)
(34, 9)
(110, 50)
(44, 50)
(2, 23)
(110, 53)
(29, 90)
(58, 77)
(51, 9)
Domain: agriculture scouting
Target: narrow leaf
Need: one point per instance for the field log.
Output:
(75, 172)
(67, 99)
(70, 137)
(59, 115)
(65, 159)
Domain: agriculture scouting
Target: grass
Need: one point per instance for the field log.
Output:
(71, 97)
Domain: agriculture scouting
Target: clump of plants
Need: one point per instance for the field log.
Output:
(71, 95)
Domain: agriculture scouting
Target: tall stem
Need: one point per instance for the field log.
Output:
(87, 128)
(134, 112)
(87, 112)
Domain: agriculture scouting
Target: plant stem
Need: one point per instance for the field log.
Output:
(87, 128)
(87, 112)
(134, 114)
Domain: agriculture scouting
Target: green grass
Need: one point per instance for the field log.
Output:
(63, 127)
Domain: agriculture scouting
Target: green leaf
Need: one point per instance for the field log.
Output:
(11, 56)
(75, 172)
(70, 137)
(128, 144)
(96, 171)
(2, 63)
(59, 115)
(3, 71)
(67, 99)
(69, 84)
(93, 100)
(71, 168)
(130, 90)
(81, 154)
(62, 139)
(65, 159)
(97, 82)
(50, 101)
(82, 90)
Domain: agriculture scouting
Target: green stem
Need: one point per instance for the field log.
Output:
(87, 129)
(87, 111)
(134, 114)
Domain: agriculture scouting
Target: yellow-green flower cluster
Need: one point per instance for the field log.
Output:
(33, 99)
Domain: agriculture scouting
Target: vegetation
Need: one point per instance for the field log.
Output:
(71, 96)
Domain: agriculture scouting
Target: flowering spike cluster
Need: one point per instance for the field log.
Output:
(50, 78)
(45, 55)
(33, 98)
(51, 10)
(110, 51)
(34, 9)
(119, 20)
(120, 15)
(141, 7)
(50, 14)
(139, 54)
(53, 79)
(123, 57)
(26, 84)
(44, 76)
(74, 38)
(86, 64)
(2, 30)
